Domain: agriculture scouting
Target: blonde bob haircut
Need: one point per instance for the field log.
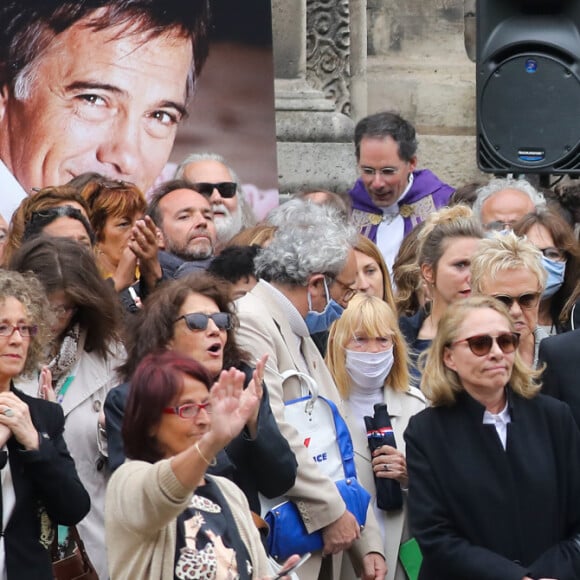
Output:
(374, 317)
(504, 252)
(440, 384)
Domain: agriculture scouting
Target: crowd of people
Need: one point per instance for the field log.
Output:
(156, 340)
(162, 338)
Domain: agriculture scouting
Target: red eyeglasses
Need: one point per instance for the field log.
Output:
(189, 410)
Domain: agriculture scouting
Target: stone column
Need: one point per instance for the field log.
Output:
(312, 55)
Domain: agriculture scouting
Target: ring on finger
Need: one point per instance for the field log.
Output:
(8, 412)
(386, 467)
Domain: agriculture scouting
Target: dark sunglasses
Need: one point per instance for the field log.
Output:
(526, 301)
(199, 320)
(481, 344)
(226, 188)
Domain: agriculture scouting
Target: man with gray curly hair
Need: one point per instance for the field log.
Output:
(503, 201)
(308, 268)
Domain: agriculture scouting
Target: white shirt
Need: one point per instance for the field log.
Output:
(500, 421)
(391, 230)
(12, 193)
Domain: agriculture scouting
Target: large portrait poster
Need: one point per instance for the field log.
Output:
(106, 87)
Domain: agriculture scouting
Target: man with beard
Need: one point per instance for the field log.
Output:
(186, 228)
(214, 178)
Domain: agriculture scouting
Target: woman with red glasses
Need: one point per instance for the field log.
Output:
(166, 517)
(194, 316)
(493, 466)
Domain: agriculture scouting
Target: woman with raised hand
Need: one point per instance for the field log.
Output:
(194, 316)
(166, 517)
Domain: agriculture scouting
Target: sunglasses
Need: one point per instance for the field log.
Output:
(199, 321)
(481, 344)
(226, 188)
(525, 301)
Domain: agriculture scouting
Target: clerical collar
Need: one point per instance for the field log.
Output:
(393, 210)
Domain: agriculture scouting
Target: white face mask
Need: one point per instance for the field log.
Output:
(369, 369)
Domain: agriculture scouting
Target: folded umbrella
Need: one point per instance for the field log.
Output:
(379, 433)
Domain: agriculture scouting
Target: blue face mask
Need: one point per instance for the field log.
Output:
(321, 321)
(556, 272)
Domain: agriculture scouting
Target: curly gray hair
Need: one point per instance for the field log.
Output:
(27, 289)
(310, 239)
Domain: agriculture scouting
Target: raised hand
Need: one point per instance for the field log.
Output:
(255, 390)
(230, 410)
(45, 390)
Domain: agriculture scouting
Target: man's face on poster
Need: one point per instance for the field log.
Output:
(107, 101)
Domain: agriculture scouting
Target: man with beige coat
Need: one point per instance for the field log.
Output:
(307, 272)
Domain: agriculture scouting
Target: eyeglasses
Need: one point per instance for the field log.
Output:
(383, 171)
(525, 301)
(348, 292)
(189, 410)
(380, 341)
(226, 188)
(199, 320)
(499, 226)
(62, 311)
(554, 254)
(481, 344)
(25, 330)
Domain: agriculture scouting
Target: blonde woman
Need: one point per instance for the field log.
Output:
(367, 357)
(494, 475)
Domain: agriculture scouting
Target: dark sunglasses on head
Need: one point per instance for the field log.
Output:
(226, 188)
(481, 344)
(526, 301)
(199, 320)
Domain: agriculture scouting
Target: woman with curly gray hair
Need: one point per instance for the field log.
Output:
(40, 485)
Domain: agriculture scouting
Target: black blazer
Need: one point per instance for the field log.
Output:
(482, 513)
(265, 464)
(561, 378)
(48, 492)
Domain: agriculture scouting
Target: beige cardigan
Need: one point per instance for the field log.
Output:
(142, 503)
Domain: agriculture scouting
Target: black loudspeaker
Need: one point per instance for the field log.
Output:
(528, 86)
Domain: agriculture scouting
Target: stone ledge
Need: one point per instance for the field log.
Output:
(311, 165)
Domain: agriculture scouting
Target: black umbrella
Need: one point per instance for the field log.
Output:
(379, 433)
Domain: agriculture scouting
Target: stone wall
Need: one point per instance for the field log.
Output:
(402, 55)
(417, 65)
